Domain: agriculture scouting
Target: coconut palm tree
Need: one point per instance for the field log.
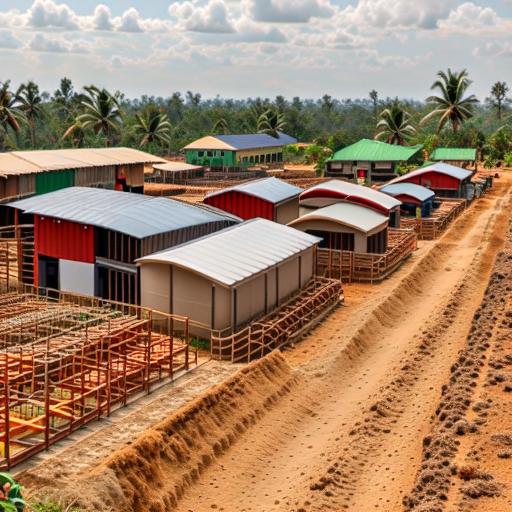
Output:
(271, 122)
(101, 113)
(451, 106)
(220, 126)
(152, 126)
(9, 113)
(395, 125)
(30, 103)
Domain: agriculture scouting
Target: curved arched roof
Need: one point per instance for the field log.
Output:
(409, 189)
(440, 167)
(347, 214)
(339, 190)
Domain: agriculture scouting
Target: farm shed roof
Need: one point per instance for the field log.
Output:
(454, 154)
(176, 167)
(338, 189)
(271, 189)
(132, 214)
(449, 170)
(240, 142)
(23, 162)
(349, 214)
(367, 150)
(236, 254)
(410, 189)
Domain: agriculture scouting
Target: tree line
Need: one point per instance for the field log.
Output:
(31, 119)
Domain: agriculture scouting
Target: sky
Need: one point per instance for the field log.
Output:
(249, 48)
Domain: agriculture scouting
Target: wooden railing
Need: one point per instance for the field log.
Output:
(16, 254)
(283, 326)
(67, 359)
(352, 266)
(430, 228)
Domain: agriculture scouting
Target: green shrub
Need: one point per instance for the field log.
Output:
(200, 343)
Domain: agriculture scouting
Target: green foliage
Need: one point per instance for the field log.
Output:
(11, 490)
(507, 159)
(404, 168)
(395, 125)
(200, 343)
(52, 506)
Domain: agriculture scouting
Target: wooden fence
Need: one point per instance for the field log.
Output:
(64, 363)
(368, 267)
(432, 227)
(17, 254)
(283, 326)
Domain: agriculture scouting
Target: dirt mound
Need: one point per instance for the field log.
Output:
(154, 471)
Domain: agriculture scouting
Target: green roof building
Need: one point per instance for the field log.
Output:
(454, 156)
(370, 161)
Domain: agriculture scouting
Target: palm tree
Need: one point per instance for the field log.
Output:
(220, 126)
(498, 98)
(395, 125)
(271, 122)
(101, 113)
(152, 126)
(9, 114)
(451, 106)
(30, 103)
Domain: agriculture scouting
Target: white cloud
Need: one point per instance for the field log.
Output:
(46, 13)
(102, 18)
(386, 14)
(210, 18)
(251, 32)
(289, 11)
(8, 40)
(130, 21)
(493, 50)
(469, 16)
(42, 43)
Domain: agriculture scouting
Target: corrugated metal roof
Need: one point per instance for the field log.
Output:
(410, 189)
(367, 150)
(271, 189)
(12, 165)
(23, 162)
(350, 192)
(440, 167)
(132, 214)
(236, 254)
(176, 167)
(349, 214)
(454, 154)
(241, 142)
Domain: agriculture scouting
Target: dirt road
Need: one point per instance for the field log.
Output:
(339, 423)
(349, 435)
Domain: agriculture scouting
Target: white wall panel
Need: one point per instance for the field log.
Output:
(76, 277)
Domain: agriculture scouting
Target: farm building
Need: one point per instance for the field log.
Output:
(228, 151)
(444, 179)
(347, 227)
(224, 280)
(175, 172)
(86, 240)
(268, 198)
(412, 197)
(454, 156)
(27, 173)
(335, 191)
(369, 161)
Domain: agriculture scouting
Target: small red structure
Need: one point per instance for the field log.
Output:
(444, 179)
(268, 198)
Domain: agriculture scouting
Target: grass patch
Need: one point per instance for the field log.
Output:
(200, 343)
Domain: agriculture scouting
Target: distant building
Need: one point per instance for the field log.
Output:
(369, 161)
(412, 197)
(339, 191)
(455, 156)
(268, 198)
(219, 151)
(444, 179)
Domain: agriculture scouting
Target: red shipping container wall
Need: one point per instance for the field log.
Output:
(408, 199)
(435, 180)
(242, 205)
(63, 239)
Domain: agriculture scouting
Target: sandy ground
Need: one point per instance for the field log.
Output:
(348, 434)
